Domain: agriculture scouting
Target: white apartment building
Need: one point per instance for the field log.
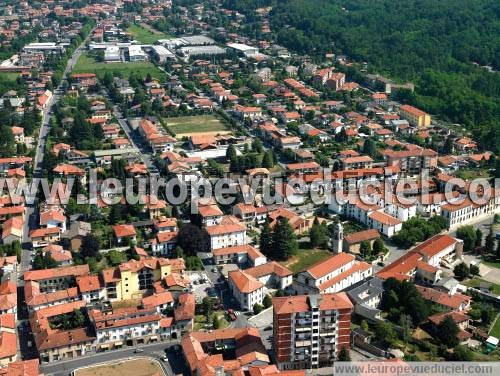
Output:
(334, 274)
(125, 326)
(230, 232)
(247, 290)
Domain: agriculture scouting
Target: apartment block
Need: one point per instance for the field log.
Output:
(310, 330)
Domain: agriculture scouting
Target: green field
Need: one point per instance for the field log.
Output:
(144, 35)
(492, 264)
(495, 288)
(305, 258)
(495, 330)
(9, 76)
(187, 125)
(87, 64)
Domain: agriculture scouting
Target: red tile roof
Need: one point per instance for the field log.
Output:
(300, 303)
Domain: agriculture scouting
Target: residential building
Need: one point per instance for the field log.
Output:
(333, 274)
(272, 274)
(415, 117)
(203, 358)
(230, 232)
(125, 326)
(246, 289)
(310, 330)
(423, 261)
(240, 255)
(411, 161)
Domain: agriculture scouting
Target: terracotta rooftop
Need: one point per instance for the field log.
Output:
(300, 303)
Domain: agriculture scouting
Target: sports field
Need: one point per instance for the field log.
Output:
(145, 35)
(87, 64)
(136, 367)
(187, 125)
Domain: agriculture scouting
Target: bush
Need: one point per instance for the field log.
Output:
(267, 302)
(257, 308)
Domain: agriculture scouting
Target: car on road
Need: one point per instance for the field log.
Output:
(231, 314)
(165, 359)
(138, 350)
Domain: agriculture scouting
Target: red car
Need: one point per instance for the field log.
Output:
(231, 314)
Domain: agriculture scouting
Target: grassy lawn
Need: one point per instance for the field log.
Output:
(475, 283)
(9, 76)
(495, 330)
(126, 303)
(87, 64)
(145, 35)
(200, 321)
(472, 174)
(492, 264)
(305, 258)
(186, 125)
(135, 367)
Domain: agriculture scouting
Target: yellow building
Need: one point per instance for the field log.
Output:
(132, 278)
(415, 117)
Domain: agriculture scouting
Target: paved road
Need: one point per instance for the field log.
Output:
(157, 351)
(30, 213)
(135, 139)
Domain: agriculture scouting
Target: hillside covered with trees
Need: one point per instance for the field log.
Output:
(438, 45)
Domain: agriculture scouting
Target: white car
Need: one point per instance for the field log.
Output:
(165, 359)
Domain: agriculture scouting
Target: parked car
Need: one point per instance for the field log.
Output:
(231, 314)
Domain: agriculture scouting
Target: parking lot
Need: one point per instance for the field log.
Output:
(202, 285)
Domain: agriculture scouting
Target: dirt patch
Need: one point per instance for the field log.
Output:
(136, 367)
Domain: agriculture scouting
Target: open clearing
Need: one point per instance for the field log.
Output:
(87, 64)
(9, 76)
(305, 258)
(145, 35)
(185, 126)
(136, 367)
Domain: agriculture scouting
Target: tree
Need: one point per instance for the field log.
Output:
(78, 319)
(448, 146)
(461, 271)
(489, 242)
(488, 314)
(284, 241)
(266, 241)
(479, 238)
(318, 235)
(405, 322)
(7, 143)
(344, 355)
(267, 301)
(90, 246)
(365, 249)
(268, 159)
(474, 270)
(468, 235)
(447, 332)
(208, 306)
(378, 246)
(231, 153)
(257, 145)
(192, 239)
(257, 308)
(462, 354)
(370, 148)
(384, 331)
(215, 322)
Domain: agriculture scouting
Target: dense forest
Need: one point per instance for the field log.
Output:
(438, 45)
